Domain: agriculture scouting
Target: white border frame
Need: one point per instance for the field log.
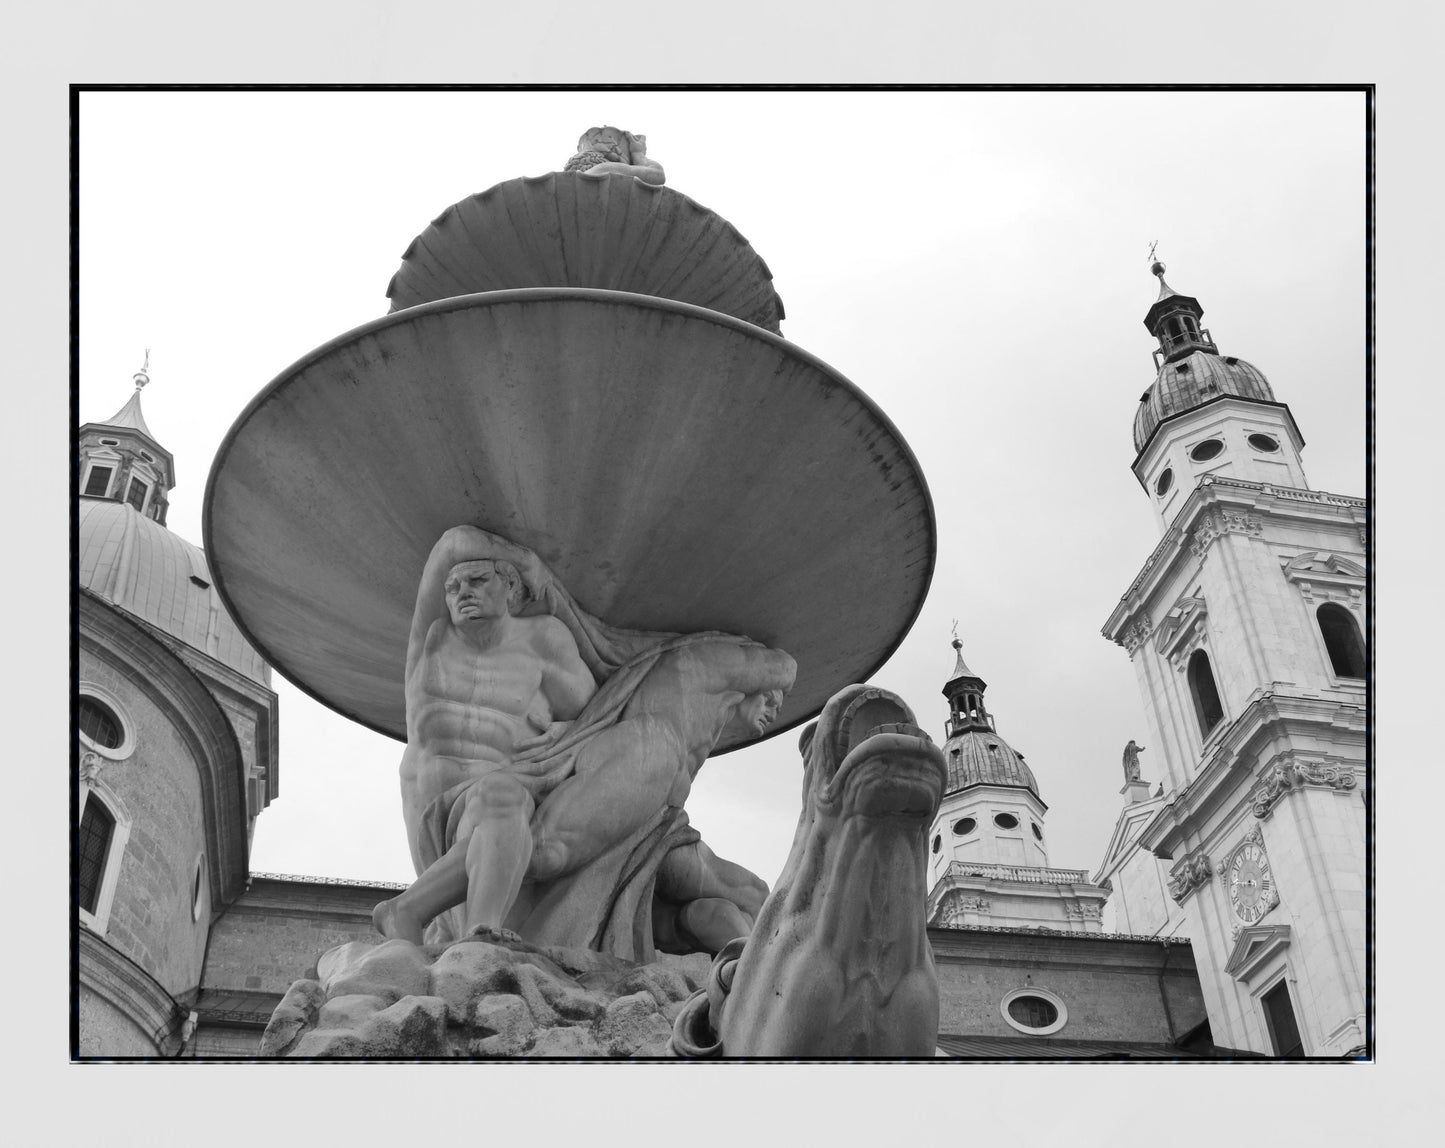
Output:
(1033, 991)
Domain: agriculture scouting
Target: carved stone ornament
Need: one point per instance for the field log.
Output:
(1090, 911)
(1190, 873)
(1284, 776)
(1214, 523)
(90, 766)
(1136, 634)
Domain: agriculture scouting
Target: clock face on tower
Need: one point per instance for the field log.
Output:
(1251, 883)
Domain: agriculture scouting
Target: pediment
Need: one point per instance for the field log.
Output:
(1180, 630)
(1127, 831)
(1255, 945)
(1323, 566)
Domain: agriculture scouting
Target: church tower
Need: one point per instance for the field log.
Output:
(1245, 627)
(989, 861)
(121, 460)
(174, 750)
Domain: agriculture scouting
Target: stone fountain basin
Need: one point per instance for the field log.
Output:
(678, 469)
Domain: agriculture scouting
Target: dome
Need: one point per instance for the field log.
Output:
(139, 566)
(1193, 381)
(981, 757)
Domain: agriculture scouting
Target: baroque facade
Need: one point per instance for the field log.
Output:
(1246, 629)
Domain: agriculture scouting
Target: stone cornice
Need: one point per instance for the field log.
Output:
(1276, 710)
(1193, 531)
(963, 879)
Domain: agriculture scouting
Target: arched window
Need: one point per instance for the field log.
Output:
(97, 827)
(1342, 640)
(1207, 706)
(99, 846)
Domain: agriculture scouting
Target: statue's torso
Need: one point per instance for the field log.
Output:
(466, 710)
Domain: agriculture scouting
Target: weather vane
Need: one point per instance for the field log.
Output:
(955, 629)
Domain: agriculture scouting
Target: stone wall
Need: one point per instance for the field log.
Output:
(1111, 986)
(151, 919)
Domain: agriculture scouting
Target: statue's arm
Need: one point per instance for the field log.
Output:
(749, 669)
(566, 680)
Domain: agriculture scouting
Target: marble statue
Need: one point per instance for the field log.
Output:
(612, 151)
(1131, 760)
(838, 962)
(541, 741)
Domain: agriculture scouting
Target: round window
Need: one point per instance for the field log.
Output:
(1038, 833)
(964, 826)
(1263, 442)
(100, 723)
(1033, 1012)
(1166, 480)
(937, 843)
(1209, 448)
(1005, 820)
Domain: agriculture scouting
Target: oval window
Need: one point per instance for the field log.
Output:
(1006, 821)
(964, 826)
(937, 843)
(1033, 1012)
(1263, 442)
(1209, 448)
(99, 723)
(1038, 833)
(1166, 480)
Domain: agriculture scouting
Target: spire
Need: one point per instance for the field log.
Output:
(964, 691)
(1174, 321)
(129, 416)
(120, 458)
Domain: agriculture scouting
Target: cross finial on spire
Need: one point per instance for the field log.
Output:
(141, 377)
(957, 645)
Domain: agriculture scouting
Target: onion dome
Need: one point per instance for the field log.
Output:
(140, 567)
(1191, 370)
(974, 752)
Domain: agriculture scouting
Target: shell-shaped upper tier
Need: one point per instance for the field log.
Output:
(142, 568)
(1192, 381)
(981, 757)
(566, 229)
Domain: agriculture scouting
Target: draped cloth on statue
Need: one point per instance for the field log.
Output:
(606, 905)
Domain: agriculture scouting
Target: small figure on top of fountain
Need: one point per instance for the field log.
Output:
(612, 151)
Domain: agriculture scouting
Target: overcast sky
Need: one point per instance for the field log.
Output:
(977, 263)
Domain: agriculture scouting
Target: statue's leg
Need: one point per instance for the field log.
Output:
(720, 899)
(498, 847)
(622, 779)
(437, 888)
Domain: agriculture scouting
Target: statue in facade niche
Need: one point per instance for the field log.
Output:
(612, 151)
(1131, 760)
(543, 744)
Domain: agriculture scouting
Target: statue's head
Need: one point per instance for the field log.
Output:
(483, 588)
(758, 711)
(611, 142)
